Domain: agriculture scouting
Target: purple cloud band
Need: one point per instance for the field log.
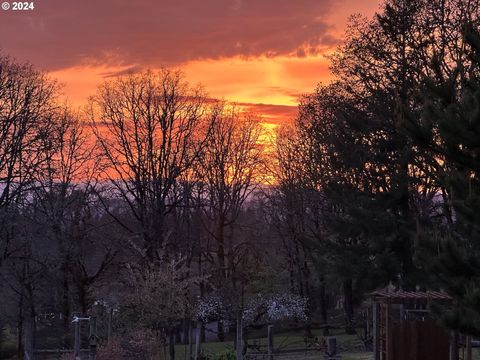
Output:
(62, 33)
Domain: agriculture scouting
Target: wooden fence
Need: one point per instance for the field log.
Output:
(417, 340)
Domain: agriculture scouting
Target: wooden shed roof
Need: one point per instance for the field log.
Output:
(401, 296)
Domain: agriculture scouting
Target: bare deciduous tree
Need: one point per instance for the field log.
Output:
(27, 107)
(65, 207)
(27, 104)
(151, 131)
(230, 171)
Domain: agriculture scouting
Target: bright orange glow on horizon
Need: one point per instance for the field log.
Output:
(252, 83)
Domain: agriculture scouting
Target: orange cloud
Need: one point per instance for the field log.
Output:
(263, 54)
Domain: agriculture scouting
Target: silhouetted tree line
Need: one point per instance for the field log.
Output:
(378, 174)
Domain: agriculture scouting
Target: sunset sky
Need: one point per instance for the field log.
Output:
(260, 53)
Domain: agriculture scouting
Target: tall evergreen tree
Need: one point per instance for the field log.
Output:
(377, 184)
(451, 128)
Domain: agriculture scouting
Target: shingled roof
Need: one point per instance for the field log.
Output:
(398, 296)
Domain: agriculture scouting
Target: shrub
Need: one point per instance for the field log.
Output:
(112, 350)
(228, 355)
(8, 350)
(67, 356)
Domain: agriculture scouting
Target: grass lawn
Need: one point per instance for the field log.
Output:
(359, 356)
(349, 346)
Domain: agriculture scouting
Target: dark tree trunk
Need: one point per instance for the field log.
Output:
(185, 329)
(178, 335)
(323, 306)
(348, 306)
(171, 343)
(66, 306)
(82, 298)
(201, 328)
(202, 333)
(220, 331)
(29, 334)
(298, 270)
(219, 236)
(20, 329)
(222, 267)
(245, 340)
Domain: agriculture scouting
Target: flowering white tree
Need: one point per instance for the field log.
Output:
(274, 307)
(260, 309)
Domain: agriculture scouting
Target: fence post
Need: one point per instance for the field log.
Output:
(270, 342)
(469, 347)
(198, 331)
(29, 333)
(190, 340)
(239, 336)
(454, 354)
(375, 330)
(332, 347)
(109, 326)
(92, 340)
(76, 349)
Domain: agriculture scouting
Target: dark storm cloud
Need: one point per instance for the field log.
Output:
(62, 33)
